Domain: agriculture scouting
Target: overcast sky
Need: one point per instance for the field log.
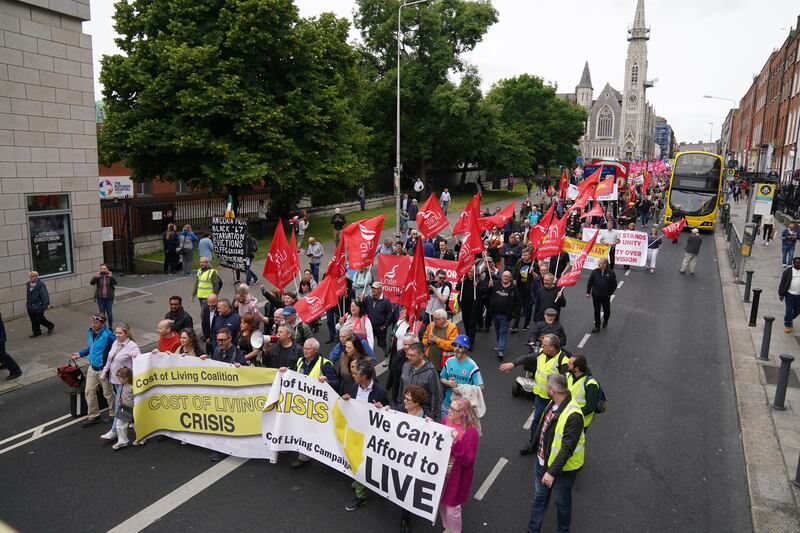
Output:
(696, 47)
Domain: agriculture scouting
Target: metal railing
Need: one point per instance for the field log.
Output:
(734, 245)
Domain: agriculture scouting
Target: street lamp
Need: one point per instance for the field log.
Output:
(720, 98)
(397, 167)
(711, 133)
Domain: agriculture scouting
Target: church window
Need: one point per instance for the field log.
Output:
(635, 73)
(605, 122)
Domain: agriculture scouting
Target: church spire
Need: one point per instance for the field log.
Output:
(586, 79)
(639, 29)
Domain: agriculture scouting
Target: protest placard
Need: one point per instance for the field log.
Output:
(630, 250)
(228, 235)
(574, 247)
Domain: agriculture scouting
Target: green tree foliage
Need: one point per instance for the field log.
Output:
(436, 113)
(528, 126)
(227, 93)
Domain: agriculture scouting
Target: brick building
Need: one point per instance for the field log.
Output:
(764, 129)
(49, 202)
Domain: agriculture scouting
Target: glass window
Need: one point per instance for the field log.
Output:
(51, 243)
(143, 188)
(47, 202)
(181, 187)
(635, 73)
(605, 122)
(692, 203)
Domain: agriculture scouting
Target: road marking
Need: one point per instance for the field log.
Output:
(583, 340)
(610, 300)
(34, 430)
(501, 463)
(382, 367)
(38, 432)
(627, 272)
(179, 496)
(621, 283)
(529, 422)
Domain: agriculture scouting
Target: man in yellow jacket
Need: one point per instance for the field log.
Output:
(438, 338)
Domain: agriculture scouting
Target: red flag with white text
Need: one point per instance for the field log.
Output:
(540, 228)
(415, 291)
(498, 219)
(474, 206)
(337, 269)
(554, 240)
(571, 278)
(431, 218)
(278, 266)
(361, 239)
(322, 298)
(471, 244)
(673, 230)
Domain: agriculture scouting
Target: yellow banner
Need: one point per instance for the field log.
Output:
(232, 416)
(196, 375)
(576, 246)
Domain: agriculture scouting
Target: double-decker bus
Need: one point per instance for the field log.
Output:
(694, 189)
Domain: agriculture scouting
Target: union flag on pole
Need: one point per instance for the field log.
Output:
(571, 278)
(604, 187)
(278, 264)
(673, 230)
(563, 185)
(539, 230)
(471, 243)
(337, 270)
(415, 292)
(431, 218)
(590, 183)
(361, 240)
(498, 219)
(322, 298)
(473, 208)
(554, 239)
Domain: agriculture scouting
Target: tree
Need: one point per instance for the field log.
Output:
(227, 93)
(434, 37)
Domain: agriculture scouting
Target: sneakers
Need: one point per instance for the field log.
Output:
(120, 445)
(355, 504)
(513, 330)
(109, 435)
(50, 329)
(500, 355)
(787, 329)
(681, 272)
(527, 450)
(595, 329)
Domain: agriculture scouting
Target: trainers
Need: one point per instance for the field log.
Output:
(120, 445)
(109, 435)
(512, 330)
(787, 329)
(681, 272)
(355, 504)
(500, 356)
(50, 329)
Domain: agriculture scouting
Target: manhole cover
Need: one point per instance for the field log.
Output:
(771, 373)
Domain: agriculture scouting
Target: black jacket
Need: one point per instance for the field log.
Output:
(396, 361)
(278, 356)
(38, 299)
(543, 328)
(693, 244)
(547, 298)
(569, 441)
(205, 322)
(602, 283)
(380, 312)
(786, 281)
(182, 320)
(377, 394)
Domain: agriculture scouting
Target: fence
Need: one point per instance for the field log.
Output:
(735, 250)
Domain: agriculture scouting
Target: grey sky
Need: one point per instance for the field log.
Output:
(696, 47)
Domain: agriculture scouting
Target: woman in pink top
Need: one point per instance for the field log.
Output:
(121, 355)
(461, 468)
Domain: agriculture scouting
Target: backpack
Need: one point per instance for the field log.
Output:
(601, 397)
(187, 245)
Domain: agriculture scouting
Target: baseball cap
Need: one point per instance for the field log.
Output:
(550, 311)
(289, 310)
(695, 231)
(377, 285)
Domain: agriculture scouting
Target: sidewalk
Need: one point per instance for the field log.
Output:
(141, 301)
(771, 438)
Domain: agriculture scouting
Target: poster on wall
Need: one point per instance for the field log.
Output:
(51, 250)
(228, 235)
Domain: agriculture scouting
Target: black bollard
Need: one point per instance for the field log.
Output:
(783, 382)
(765, 340)
(754, 307)
(747, 284)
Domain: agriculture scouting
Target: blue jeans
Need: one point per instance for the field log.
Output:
(314, 271)
(644, 217)
(562, 490)
(332, 315)
(501, 330)
(104, 307)
(249, 273)
(539, 405)
(445, 204)
(792, 303)
(787, 253)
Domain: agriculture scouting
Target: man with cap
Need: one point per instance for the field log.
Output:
(300, 331)
(550, 324)
(338, 221)
(459, 370)
(692, 249)
(380, 312)
(100, 340)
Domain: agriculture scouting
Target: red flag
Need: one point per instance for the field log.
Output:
(595, 211)
(605, 187)
(540, 228)
(591, 182)
(415, 291)
(337, 269)
(572, 277)
(431, 218)
(278, 264)
(361, 240)
(563, 185)
(499, 218)
(632, 195)
(581, 200)
(673, 230)
(322, 298)
(645, 180)
(471, 245)
(553, 240)
(474, 206)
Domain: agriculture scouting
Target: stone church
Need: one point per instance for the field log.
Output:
(621, 125)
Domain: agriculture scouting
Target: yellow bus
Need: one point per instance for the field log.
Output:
(695, 189)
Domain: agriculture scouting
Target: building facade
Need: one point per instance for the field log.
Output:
(620, 125)
(49, 201)
(665, 139)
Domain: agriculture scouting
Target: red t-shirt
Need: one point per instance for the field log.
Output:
(170, 343)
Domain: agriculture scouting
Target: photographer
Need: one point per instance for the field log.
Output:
(104, 282)
(439, 289)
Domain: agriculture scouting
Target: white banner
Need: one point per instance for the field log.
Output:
(630, 250)
(400, 457)
(572, 193)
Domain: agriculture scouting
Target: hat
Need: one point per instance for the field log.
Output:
(337, 210)
(462, 340)
(289, 310)
(550, 311)
(98, 318)
(377, 285)
(695, 231)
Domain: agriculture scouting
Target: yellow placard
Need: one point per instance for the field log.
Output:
(197, 375)
(576, 246)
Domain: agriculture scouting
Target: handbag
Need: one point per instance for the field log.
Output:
(124, 414)
(71, 375)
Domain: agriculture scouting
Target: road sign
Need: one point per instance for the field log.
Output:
(579, 160)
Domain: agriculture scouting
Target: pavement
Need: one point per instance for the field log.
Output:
(666, 455)
(770, 437)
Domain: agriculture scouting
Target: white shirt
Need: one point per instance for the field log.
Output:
(445, 197)
(609, 237)
(794, 288)
(769, 219)
(363, 394)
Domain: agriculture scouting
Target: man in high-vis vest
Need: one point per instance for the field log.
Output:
(559, 441)
(313, 365)
(549, 359)
(206, 283)
(583, 387)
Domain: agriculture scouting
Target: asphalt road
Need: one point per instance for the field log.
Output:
(666, 456)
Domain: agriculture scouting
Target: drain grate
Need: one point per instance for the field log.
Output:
(771, 373)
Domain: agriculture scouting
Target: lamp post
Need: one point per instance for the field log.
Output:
(720, 98)
(711, 132)
(397, 166)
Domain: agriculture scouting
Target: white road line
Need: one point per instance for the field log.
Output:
(38, 433)
(34, 430)
(621, 283)
(583, 340)
(529, 421)
(610, 300)
(627, 272)
(501, 463)
(382, 367)
(179, 496)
